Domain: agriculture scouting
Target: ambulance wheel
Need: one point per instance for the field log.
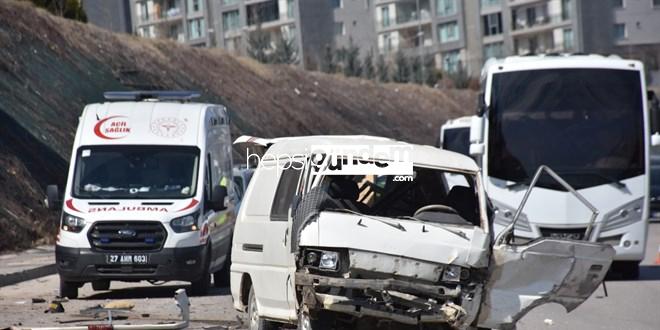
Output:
(68, 289)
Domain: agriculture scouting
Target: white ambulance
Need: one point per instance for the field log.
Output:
(148, 195)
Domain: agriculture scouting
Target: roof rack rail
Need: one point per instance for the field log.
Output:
(146, 95)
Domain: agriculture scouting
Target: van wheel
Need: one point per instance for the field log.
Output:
(101, 285)
(255, 322)
(306, 322)
(68, 289)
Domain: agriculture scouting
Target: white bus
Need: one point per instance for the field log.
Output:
(586, 118)
(455, 135)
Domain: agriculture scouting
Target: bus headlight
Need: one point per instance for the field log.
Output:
(72, 223)
(185, 223)
(503, 216)
(625, 215)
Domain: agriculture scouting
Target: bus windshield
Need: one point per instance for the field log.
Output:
(135, 172)
(586, 124)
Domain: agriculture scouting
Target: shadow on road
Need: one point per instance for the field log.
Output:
(150, 291)
(646, 273)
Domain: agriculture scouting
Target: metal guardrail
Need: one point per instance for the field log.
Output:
(543, 168)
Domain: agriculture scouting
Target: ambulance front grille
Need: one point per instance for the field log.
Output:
(127, 236)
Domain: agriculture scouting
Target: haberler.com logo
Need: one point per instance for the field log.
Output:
(112, 128)
(393, 159)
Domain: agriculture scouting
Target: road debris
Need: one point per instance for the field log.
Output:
(55, 307)
(119, 304)
(38, 300)
(548, 322)
(181, 301)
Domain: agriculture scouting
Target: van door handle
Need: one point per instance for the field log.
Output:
(253, 247)
(286, 235)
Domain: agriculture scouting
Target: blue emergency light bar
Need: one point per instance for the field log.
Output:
(153, 95)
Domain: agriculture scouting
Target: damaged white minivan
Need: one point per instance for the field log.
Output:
(319, 245)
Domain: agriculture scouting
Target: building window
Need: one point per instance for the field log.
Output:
(448, 32)
(445, 7)
(340, 30)
(337, 3)
(451, 61)
(656, 3)
(229, 2)
(495, 49)
(493, 24)
(385, 16)
(290, 8)
(620, 32)
(568, 40)
(196, 28)
(618, 3)
(566, 9)
(231, 20)
(488, 3)
(386, 43)
(143, 11)
(194, 5)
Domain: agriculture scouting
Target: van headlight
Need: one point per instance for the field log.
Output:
(185, 223)
(323, 260)
(452, 274)
(72, 223)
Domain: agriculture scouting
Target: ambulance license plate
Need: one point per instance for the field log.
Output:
(127, 259)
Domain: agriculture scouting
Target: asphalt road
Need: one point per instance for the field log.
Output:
(630, 304)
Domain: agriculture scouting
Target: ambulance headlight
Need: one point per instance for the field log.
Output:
(72, 223)
(185, 223)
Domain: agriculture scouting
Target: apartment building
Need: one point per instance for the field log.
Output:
(636, 33)
(184, 21)
(498, 28)
(236, 19)
(113, 15)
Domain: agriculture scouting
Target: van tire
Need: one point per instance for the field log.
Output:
(306, 322)
(101, 285)
(68, 289)
(255, 322)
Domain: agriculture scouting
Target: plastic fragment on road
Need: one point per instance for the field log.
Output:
(119, 304)
(548, 322)
(55, 307)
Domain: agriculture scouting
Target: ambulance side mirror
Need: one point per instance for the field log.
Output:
(218, 197)
(53, 201)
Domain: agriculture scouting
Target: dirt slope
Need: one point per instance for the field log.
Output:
(51, 67)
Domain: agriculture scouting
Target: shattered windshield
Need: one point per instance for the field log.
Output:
(428, 195)
(128, 172)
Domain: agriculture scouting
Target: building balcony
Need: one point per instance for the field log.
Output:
(522, 26)
(516, 3)
(403, 21)
(174, 14)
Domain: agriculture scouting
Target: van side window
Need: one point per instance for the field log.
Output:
(286, 189)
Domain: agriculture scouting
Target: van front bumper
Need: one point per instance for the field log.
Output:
(400, 301)
(168, 264)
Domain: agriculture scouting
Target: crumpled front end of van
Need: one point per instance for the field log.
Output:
(412, 275)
